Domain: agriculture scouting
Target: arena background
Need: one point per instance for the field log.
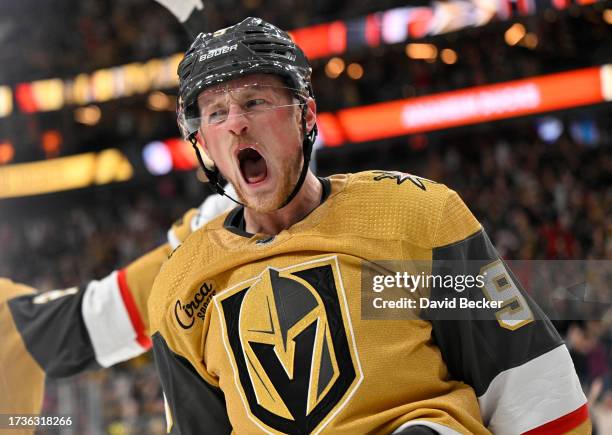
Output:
(92, 172)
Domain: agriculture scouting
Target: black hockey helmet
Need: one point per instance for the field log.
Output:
(250, 47)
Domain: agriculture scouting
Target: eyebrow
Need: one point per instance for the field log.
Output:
(208, 101)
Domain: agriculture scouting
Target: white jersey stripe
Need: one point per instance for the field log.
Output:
(530, 395)
(112, 334)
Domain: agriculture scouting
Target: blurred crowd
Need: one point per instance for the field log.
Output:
(63, 247)
(537, 200)
(563, 42)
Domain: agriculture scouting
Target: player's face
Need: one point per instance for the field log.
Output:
(251, 128)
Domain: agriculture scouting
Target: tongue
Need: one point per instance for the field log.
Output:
(254, 170)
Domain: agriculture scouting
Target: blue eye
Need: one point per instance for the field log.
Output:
(254, 103)
(217, 116)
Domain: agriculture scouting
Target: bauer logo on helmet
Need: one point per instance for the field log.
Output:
(217, 51)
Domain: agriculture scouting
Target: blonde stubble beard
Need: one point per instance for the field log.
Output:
(291, 173)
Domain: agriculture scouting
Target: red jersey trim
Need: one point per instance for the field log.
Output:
(562, 424)
(141, 337)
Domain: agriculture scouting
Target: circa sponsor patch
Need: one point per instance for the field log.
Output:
(186, 312)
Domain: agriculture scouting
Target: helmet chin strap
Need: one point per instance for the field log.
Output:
(306, 150)
(214, 177)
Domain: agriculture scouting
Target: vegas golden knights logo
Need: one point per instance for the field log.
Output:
(291, 340)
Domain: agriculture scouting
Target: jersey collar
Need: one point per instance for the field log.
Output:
(235, 223)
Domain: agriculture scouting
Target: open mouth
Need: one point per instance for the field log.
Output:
(252, 165)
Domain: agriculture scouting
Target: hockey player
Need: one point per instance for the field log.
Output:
(64, 332)
(256, 318)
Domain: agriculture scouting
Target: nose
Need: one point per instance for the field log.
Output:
(236, 122)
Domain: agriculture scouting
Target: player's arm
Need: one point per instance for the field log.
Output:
(95, 325)
(511, 355)
(63, 332)
(104, 321)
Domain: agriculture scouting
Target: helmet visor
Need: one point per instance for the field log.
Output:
(220, 103)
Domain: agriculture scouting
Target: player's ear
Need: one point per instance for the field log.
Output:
(311, 113)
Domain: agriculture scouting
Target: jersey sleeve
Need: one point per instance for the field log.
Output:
(509, 351)
(94, 325)
(183, 387)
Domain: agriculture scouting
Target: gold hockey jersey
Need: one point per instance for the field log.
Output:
(260, 334)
